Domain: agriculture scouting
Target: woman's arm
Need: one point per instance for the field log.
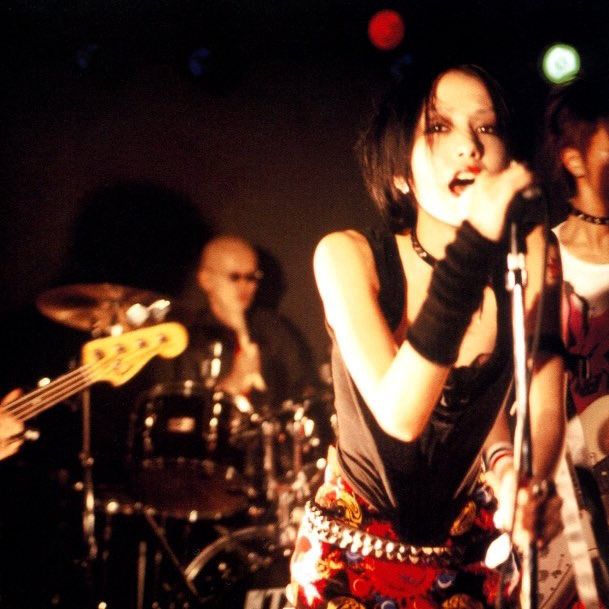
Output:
(400, 386)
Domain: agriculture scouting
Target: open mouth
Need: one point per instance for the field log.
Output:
(460, 182)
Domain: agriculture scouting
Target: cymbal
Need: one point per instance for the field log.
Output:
(102, 308)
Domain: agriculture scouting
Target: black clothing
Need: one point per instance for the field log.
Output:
(286, 364)
(419, 484)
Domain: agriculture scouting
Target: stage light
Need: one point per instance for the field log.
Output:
(86, 55)
(386, 29)
(401, 65)
(199, 62)
(560, 63)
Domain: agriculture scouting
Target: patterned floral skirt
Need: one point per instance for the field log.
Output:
(326, 576)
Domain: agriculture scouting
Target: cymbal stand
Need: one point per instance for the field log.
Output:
(300, 486)
(298, 433)
(268, 459)
(87, 461)
(161, 539)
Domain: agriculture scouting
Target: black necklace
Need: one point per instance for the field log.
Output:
(602, 220)
(422, 253)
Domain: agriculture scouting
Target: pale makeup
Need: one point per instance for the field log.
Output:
(458, 144)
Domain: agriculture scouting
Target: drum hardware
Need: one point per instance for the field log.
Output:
(114, 358)
(146, 555)
(211, 367)
(161, 539)
(242, 568)
(268, 460)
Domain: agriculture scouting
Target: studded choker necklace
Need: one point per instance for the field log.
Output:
(422, 253)
(600, 220)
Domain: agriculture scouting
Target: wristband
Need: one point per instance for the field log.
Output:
(454, 293)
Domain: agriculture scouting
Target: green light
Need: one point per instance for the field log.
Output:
(561, 63)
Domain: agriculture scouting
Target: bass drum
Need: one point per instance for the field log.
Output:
(244, 569)
(185, 452)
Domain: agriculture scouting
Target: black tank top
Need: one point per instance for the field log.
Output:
(419, 485)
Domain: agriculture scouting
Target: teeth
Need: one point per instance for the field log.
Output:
(465, 176)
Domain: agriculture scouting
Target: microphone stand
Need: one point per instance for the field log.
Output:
(516, 280)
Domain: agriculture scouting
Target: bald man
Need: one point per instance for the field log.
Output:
(261, 355)
(229, 275)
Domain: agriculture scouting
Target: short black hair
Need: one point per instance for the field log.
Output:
(384, 147)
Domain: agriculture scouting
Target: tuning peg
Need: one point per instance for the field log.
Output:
(138, 314)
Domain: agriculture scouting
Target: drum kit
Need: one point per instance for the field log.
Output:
(215, 487)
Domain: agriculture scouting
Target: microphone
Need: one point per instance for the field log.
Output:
(527, 206)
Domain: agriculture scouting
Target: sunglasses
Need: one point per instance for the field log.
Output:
(254, 277)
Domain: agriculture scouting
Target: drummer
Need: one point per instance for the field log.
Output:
(235, 345)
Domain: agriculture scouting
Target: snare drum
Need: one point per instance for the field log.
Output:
(187, 420)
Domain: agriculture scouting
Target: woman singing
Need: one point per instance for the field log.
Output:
(419, 319)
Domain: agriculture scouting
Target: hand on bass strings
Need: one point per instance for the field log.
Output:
(11, 429)
(537, 509)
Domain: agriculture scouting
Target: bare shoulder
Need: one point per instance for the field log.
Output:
(541, 242)
(347, 249)
(344, 268)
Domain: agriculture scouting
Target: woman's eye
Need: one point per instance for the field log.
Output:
(488, 129)
(436, 128)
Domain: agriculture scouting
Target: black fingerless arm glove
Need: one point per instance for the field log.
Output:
(455, 292)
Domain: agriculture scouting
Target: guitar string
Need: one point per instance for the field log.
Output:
(23, 408)
(50, 395)
(64, 387)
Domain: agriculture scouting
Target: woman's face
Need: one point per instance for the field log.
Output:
(457, 142)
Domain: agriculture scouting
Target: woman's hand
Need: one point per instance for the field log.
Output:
(537, 510)
(490, 198)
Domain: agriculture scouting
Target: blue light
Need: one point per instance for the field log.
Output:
(198, 62)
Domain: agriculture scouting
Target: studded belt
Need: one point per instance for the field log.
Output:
(332, 531)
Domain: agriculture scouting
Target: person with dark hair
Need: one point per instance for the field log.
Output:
(575, 155)
(419, 319)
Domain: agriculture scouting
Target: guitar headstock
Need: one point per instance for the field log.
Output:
(117, 359)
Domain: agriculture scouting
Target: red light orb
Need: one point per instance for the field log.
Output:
(386, 29)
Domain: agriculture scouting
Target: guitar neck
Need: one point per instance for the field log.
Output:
(114, 359)
(39, 400)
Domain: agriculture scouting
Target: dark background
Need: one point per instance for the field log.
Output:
(116, 163)
(260, 144)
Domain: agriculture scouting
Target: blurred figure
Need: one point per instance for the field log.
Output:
(229, 276)
(576, 158)
(251, 354)
(235, 345)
